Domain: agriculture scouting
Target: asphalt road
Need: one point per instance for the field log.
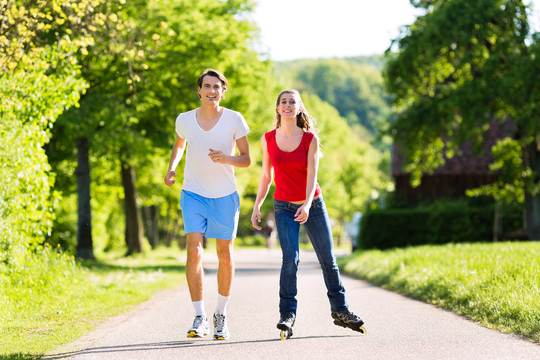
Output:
(397, 327)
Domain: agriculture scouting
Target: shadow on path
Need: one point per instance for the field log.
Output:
(165, 345)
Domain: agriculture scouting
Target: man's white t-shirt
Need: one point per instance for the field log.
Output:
(201, 175)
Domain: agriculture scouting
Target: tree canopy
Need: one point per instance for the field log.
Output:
(39, 79)
(105, 81)
(454, 70)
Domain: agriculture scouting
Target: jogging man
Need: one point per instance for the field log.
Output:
(209, 200)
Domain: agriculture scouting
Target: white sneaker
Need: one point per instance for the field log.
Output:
(221, 331)
(200, 327)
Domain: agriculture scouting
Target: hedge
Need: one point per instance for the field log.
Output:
(389, 228)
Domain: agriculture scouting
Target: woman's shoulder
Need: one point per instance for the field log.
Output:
(310, 138)
(270, 134)
(310, 135)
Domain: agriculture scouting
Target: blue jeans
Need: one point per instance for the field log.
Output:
(318, 230)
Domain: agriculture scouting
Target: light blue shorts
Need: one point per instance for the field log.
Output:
(214, 218)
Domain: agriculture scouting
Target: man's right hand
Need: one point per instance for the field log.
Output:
(169, 178)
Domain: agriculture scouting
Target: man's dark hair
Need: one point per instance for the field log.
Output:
(212, 72)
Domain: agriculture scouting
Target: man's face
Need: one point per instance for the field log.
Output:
(211, 90)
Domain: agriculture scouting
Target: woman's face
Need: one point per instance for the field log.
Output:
(288, 105)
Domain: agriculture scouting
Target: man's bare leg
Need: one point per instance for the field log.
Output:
(224, 249)
(194, 268)
(194, 276)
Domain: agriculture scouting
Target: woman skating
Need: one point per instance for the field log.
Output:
(291, 150)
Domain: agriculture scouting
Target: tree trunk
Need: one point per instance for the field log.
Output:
(170, 226)
(134, 229)
(533, 217)
(182, 239)
(497, 221)
(151, 225)
(85, 249)
(532, 203)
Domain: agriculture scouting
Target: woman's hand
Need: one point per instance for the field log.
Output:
(256, 217)
(302, 214)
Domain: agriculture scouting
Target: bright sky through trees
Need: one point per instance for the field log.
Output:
(295, 29)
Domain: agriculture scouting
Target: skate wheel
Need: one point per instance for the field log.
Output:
(363, 330)
(285, 334)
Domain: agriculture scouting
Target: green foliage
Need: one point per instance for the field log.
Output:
(65, 225)
(351, 85)
(376, 61)
(139, 73)
(39, 79)
(393, 228)
(497, 285)
(142, 71)
(438, 223)
(508, 163)
(250, 241)
(456, 68)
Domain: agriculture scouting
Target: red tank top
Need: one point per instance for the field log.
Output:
(290, 168)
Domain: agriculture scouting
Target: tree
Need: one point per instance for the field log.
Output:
(523, 101)
(39, 79)
(456, 68)
(142, 72)
(111, 66)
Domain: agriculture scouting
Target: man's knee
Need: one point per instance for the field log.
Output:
(194, 251)
(225, 254)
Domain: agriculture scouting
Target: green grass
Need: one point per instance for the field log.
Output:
(495, 284)
(55, 299)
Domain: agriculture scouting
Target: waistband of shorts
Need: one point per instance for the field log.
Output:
(191, 193)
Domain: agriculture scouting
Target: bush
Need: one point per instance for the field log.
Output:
(31, 98)
(438, 223)
(252, 241)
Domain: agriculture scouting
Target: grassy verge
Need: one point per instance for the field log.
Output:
(55, 299)
(495, 284)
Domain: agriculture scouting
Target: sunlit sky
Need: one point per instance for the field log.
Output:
(298, 29)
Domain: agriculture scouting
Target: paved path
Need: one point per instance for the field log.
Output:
(398, 327)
